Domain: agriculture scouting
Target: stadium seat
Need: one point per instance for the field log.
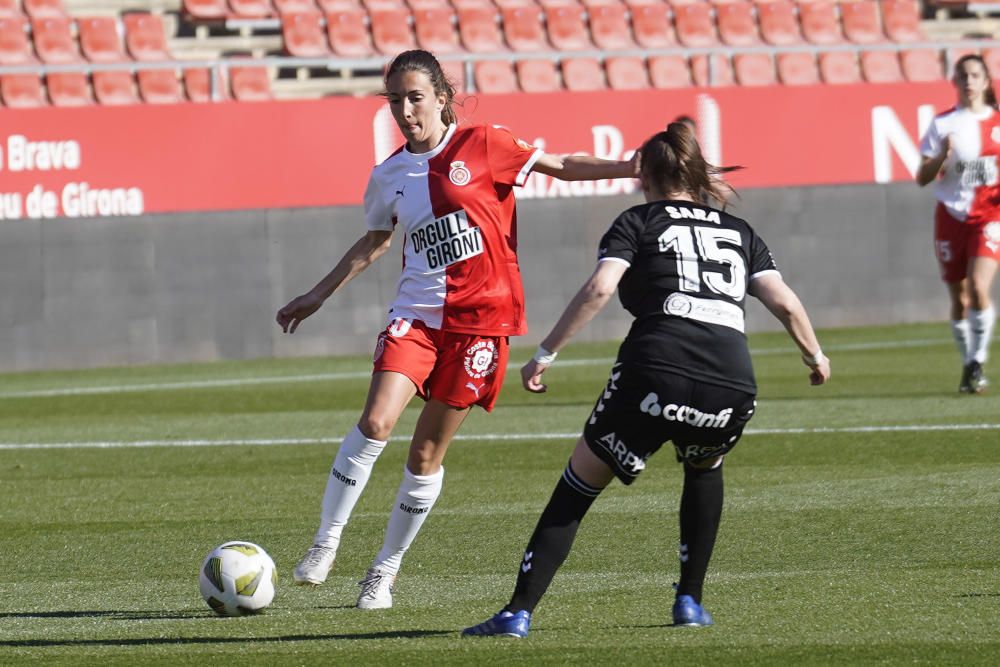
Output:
(583, 74)
(901, 20)
(537, 76)
(251, 9)
(373, 5)
(567, 28)
(10, 9)
(349, 36)
(22, 91)
(249, 84)
(495, 77)
(819, 22)
(15, 47)
(609, 26)
(669, 72)
(435, 29)
(839, 67)
(159, 86)
(391, 32)
(479, 28)
(626, 73)
(797, 69)
(881, 67)
(285, 7)
(778, 23)
(952, 56)
(54, 41)
(206, 10)
(721, 74)
(327, 6)
(522, 28)
(652, 26)
(859, 19)
(695, 26)
(145, 38)
(99, 39)
(114, 88)
(737, 25)
(921, 65)
(992, 59)
(68, 89)
(754, 69)
(303, 35)
(44, 9)
(197, 85)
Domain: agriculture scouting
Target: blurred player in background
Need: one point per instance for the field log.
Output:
(450, 191)
(683, 373)
(960, 153)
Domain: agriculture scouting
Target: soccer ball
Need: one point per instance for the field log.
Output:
(237, 579)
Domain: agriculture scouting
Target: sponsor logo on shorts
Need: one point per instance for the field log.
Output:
(992, 234)
(414, 510)
(695, 452)
(340, 477)
(476, 389)
(684, 413)
(629, 460)
(379, 347)
(399, 327)
(459, 173)
(481, 359)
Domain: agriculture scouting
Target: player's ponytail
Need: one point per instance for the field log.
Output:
(674, 162)
(419, 60)
(989, 96)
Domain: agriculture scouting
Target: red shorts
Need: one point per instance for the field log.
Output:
(458, 369)
(956, 242)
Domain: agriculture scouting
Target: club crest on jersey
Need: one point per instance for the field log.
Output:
(459, 173)
(481, 359)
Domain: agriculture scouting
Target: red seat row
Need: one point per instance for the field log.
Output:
(99, 40)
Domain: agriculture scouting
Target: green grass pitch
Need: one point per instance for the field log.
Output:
(861, 521)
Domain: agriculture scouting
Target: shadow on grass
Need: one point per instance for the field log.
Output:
(123, 615)
(174, 641)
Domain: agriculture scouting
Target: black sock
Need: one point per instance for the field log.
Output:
(553, 538)
(701, 510)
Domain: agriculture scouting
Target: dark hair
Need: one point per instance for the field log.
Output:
(673, 161)
(989, 95)
(419, 60)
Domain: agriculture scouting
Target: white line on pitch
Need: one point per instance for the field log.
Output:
(265, 442)
(358, 375)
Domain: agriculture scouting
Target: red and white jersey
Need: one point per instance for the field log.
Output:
(455, 205)
(969, 187)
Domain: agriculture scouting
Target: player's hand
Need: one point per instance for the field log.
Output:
(820, 372)
(531, 376)
(296, 310)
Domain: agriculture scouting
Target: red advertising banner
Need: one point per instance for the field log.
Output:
(103, 161)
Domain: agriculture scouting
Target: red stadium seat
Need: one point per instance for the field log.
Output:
(145, 38)
(328, 6)
(391, 32)
(251, 9)
(797, 69)
(479, 28)
(44, 9)
(197, 85)
(778, 23)
(839, 67)
(522, 28)
(860, 21)
(250, 84)
(992, 59)
(583, 74)
(669, 72)
(721, 74)
(99, 39)
(435, 29)
(15, 47)
(68, 89)
(284, 7)
(115, 88)
(652, 26)
(754, 69)
(901, 20)
(495, 77)
(159, 86)
(626, 73)
(348, 34)
(567, 28)
(921, 65)
(609, 26)
(54, 41)
(737, 25)
(819, 22)
(10, 9)
(206, 10)
(304, 35)
(695, 26)
(537, 76)
(881, 67)
(22, 91)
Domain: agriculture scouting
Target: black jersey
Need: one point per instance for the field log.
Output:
(686, 285)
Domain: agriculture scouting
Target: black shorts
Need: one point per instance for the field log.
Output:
(642, 408)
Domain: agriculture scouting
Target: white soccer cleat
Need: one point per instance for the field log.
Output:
(376, 589)
(314, 566)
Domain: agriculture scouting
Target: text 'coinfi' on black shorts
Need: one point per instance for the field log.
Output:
(641, 408)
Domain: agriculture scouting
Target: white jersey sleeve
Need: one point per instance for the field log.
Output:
(930, 145)
(379, 211)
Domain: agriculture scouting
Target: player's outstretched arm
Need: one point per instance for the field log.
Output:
(586, 167)
(785, 305)
(366, 250)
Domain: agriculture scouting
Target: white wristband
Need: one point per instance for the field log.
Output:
(543, 356)
(814, 360)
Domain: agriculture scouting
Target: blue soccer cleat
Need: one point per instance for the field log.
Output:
(504, 624)
(689, 613)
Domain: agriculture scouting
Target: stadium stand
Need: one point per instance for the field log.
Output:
(68, 89)
(797, 69)
(652, 25)
(881, 67)
(479, 28)
(754, 69)
(921, 65)
(99, 40)
(159, 86)
(583, 74)
(860, 22)
(819, 22)
(839, 67)
(609, 26)
(250, 84)
(495, 76)
(348, 34)
(44, 9)
(566, 27)
(145, 36)
(391, 33)
(626, 73)
(114, 88)
(54, 42)
(737, 24)
(22, 91)
(537, 76)
(778, 22)
(435, 29)
(304, 35)
(522, 28)
(15, 44)
(669, 72)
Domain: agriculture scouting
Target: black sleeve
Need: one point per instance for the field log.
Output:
(760, 257)
(621, 241)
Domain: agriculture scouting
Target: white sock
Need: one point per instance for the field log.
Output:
(960, 332)
(350, 472)
(980, 333)
(414, 501)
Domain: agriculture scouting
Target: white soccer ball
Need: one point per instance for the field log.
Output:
(237, 579)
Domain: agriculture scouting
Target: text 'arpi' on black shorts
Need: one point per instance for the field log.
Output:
(641, 408)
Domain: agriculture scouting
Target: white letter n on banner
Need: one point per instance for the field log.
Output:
(888, 134)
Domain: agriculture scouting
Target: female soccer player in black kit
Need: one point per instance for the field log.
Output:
(683, 373)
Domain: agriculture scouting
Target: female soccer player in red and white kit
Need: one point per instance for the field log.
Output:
(961, 147)
(449, 190)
